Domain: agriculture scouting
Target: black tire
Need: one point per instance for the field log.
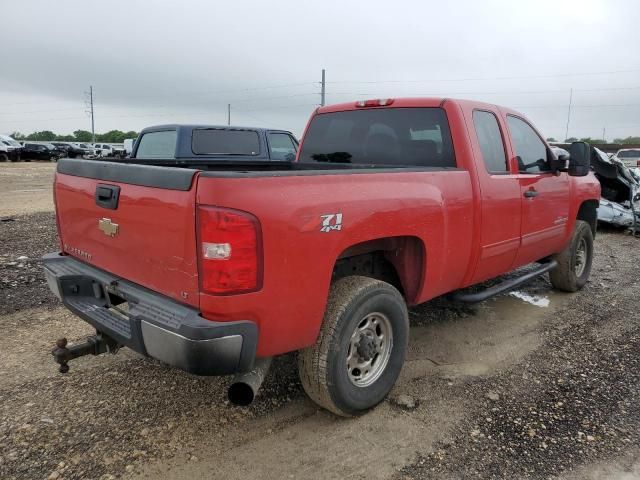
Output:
(4, 157)
(573, 268)
(323, 367)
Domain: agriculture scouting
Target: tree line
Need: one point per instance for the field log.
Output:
(618, 141)
(83, 136)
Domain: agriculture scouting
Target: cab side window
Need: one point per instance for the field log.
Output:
(530, 150)
(490, 140)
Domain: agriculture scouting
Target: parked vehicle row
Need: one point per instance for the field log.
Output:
(12, 150)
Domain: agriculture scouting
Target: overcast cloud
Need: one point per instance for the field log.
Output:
(154, 61)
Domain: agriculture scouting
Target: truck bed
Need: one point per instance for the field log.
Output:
(156, 244)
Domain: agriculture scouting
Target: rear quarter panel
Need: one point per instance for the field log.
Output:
(434, 206)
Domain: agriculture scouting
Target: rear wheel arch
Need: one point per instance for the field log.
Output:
(398, 261)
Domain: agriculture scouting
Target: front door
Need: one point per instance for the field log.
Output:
(545, 195)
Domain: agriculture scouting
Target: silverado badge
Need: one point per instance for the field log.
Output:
(108, 227)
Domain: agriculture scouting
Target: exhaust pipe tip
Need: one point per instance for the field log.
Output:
(245, 386)
(241, 394)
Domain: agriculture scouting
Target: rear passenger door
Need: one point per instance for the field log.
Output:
(545, 195)
(500, 197)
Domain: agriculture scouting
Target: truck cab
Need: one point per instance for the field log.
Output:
(214, 143)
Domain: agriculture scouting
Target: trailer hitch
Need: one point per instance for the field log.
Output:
(93, 345)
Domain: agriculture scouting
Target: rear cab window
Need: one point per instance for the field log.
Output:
(490, 141)
(381, 137)
(217, 141)
(157, 145)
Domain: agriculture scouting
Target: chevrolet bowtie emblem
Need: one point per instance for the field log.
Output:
(108, 227)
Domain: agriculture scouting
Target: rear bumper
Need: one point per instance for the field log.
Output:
(150, 323)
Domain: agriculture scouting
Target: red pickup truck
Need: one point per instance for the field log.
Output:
(217, 267)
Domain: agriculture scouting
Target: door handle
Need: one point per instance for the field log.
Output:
(531, 193)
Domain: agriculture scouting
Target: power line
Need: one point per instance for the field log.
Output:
(522, 92)
(557, 75)
(578, 106)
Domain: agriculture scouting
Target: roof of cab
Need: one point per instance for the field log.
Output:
(189, 126)
(408, 102)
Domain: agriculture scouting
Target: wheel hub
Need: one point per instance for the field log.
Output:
(366, 348)
(369, 349)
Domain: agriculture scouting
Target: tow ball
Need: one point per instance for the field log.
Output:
(93, 345)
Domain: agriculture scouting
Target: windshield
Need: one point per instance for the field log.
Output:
(390, 137)
(629, 154)
(10, 141)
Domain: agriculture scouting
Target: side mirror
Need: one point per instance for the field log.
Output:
(559, 163)
(579, 159)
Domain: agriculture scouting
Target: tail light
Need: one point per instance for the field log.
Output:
(230, 251)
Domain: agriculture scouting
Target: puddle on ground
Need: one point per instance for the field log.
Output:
(538, 301)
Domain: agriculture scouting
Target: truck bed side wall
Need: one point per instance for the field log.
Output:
(433, 206)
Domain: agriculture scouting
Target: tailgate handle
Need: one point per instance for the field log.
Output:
(107, 196)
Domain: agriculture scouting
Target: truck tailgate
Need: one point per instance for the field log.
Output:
(147, 235)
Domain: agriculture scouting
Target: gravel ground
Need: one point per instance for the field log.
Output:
(499, 390)
(23, 240)
(573, 401)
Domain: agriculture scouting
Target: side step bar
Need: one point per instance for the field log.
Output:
(503, 286)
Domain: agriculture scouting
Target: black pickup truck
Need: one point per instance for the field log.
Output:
(191, 143)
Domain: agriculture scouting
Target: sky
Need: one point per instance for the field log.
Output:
(162, 61)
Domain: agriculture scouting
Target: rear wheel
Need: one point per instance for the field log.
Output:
(361, 347)
(574, 262)
(4, 157)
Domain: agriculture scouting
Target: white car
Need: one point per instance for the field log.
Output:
(103, 150)
(106, 150)
(629, 156)
(10, 149)
(88, 149)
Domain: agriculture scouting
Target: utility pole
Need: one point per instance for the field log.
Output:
(93, 128)
(228, 114)
(322, 89)
(566, 133)
(604, 132)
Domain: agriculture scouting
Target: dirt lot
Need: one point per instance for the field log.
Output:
(506, 389)
(25, 187)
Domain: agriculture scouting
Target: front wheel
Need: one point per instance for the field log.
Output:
(361, 347)
(574, 262)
